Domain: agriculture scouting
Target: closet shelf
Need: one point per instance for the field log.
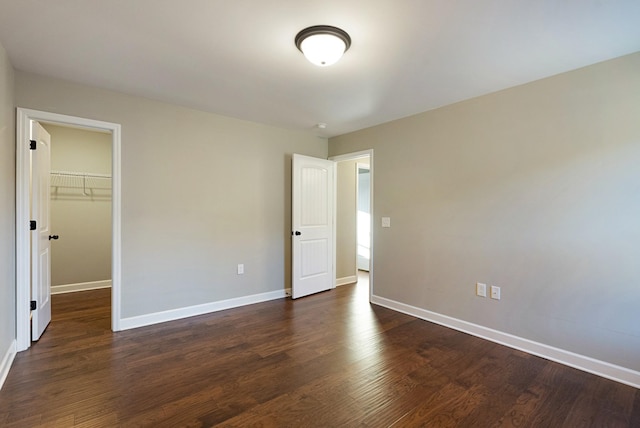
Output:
(86, 181)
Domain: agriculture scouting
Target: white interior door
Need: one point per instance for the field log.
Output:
(40, 243)
(312, 225)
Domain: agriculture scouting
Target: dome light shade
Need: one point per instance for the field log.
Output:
(323, 45)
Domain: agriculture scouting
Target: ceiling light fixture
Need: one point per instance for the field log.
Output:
(323, 45)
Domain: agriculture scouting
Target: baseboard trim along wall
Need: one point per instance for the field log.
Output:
(6, 362)
(191, 311)
(346, 280)
(81, 286)
(580, 362)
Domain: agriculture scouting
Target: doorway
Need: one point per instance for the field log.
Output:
(25, 117)
(354, 208)
(80, 209)
(363, 219)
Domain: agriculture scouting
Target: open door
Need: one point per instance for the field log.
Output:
(40, 237)
(312, 225)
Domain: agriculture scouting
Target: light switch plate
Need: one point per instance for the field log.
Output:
(481, 289)
(240, 269)
(386, 221)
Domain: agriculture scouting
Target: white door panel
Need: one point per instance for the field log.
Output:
(312, 225)
(40, 244)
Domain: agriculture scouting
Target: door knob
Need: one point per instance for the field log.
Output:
(53, 237)
(298, 233)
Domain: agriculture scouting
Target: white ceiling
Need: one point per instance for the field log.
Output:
(237, 57)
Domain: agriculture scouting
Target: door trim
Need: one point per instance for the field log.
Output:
(354, 156)
(23, 278)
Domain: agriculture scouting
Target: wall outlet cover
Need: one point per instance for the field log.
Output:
(495, 292)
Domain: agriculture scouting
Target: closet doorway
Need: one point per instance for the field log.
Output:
(363, 220)
(80, 208)
(354, 202)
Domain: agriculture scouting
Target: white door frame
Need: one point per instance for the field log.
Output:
(23, 246)
(354, 156)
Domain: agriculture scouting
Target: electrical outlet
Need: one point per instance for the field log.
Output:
(240, 269)
(481, 289)
(386, 221)
(495, 292)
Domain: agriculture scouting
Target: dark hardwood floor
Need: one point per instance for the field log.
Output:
(326, 360)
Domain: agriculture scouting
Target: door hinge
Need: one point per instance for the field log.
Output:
(32, 144)
(32, 225)
(34, 305)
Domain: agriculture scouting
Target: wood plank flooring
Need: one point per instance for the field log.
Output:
(327, 360)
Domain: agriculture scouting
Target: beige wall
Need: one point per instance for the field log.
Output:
(7, 206)
(200, 194)
(346, 239)
(534, 189)
(83, 252)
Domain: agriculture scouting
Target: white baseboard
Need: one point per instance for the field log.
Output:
(580, 362)
(81, 286)
(176, 314)
(6, 362)
(347, 280)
